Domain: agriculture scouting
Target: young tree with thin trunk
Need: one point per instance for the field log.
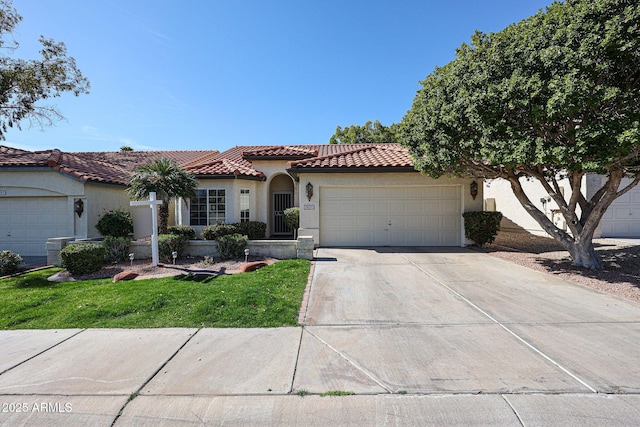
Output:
(554, 96)
(168, 180)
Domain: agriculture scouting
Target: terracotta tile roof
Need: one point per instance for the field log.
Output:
(103, 167)
(10, 150)
(283, 153)
(133, 159)
(391, 157)
(225, 168)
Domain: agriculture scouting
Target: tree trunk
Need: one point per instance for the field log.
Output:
(584, 255)
(164, 218)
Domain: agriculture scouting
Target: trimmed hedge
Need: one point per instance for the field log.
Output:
(168, 243)
(182, 230)
(213, 232)
(116, 223)
(292, 217)
(83, 258)
(231, 245)
(254, 230)
(482, 227)
(116, 248)
(9, 262)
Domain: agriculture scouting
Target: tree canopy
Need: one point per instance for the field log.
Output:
(555, 95)
(24, 83)
(370, 133)
(168, 180)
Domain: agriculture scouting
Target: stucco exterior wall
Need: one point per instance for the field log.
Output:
(499, 197)
(100, 199)
(310, 209)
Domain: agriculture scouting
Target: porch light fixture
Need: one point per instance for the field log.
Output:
(78, 207)
(474, 189)
(309, 191)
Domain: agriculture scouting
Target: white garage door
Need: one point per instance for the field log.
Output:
(622, 219)
(27, 222)
(390, 216)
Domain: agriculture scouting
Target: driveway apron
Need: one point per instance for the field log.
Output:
(451, 320)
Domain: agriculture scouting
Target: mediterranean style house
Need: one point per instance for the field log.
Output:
(349, 195)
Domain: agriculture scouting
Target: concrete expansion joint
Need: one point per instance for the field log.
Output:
(152, 376)
(43, 351)
(351, 362)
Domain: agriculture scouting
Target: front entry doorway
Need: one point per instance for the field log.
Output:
(281, 201)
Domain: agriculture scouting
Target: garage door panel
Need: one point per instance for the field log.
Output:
(29, 222)
(402, 216)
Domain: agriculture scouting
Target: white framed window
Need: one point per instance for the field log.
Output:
(245, 205)
(208, 207)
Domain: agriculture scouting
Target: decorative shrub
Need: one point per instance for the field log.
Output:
(116, 223)
(182, 230)
(168, 243)
(482, 227)
(252, 229)
(9, 262)
(83, 258)
(116, 248)
(231, 245)
(292, 217)
(213, 232)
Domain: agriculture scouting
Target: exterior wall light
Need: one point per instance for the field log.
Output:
(78, 207)
(474, 189)
(309, 191)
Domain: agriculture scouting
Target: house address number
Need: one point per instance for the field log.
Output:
(309, 207)
(3, 192)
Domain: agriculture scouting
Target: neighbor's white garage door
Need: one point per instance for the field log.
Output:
(390, 216)
(622, 219)
(27, 222)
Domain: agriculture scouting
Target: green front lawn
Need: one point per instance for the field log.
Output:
(268, 297)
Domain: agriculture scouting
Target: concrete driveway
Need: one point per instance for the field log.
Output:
(430, 336)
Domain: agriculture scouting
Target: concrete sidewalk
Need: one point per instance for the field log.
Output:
(431, 336)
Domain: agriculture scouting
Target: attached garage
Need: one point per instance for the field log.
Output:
(27, 223)
(622, 219)
(371, 195)
(390, 216)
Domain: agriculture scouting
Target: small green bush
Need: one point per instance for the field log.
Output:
(231, 245)
(182, 230)
(9, 262)
(252, 229)
(213, 232)
(292, 217)
(83, 258)
(116, 223)
(168, 243)
(116, 248)
(482, 227)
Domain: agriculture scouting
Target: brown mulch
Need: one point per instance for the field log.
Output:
(621, 262)
(194, 265)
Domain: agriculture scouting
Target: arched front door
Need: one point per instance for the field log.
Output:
(281, 195)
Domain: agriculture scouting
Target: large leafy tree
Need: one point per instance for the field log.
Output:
(370, 133)
(167, 179)
(24, 83)
(554, 96)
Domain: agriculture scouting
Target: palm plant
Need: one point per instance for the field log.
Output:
(167, 179)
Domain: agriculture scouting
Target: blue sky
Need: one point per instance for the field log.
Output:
(208, 74)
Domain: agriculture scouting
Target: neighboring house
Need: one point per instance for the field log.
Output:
(349, 195)
(50, 193)
(622, 219)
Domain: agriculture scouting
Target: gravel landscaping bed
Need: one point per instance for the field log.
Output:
(621, 261)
